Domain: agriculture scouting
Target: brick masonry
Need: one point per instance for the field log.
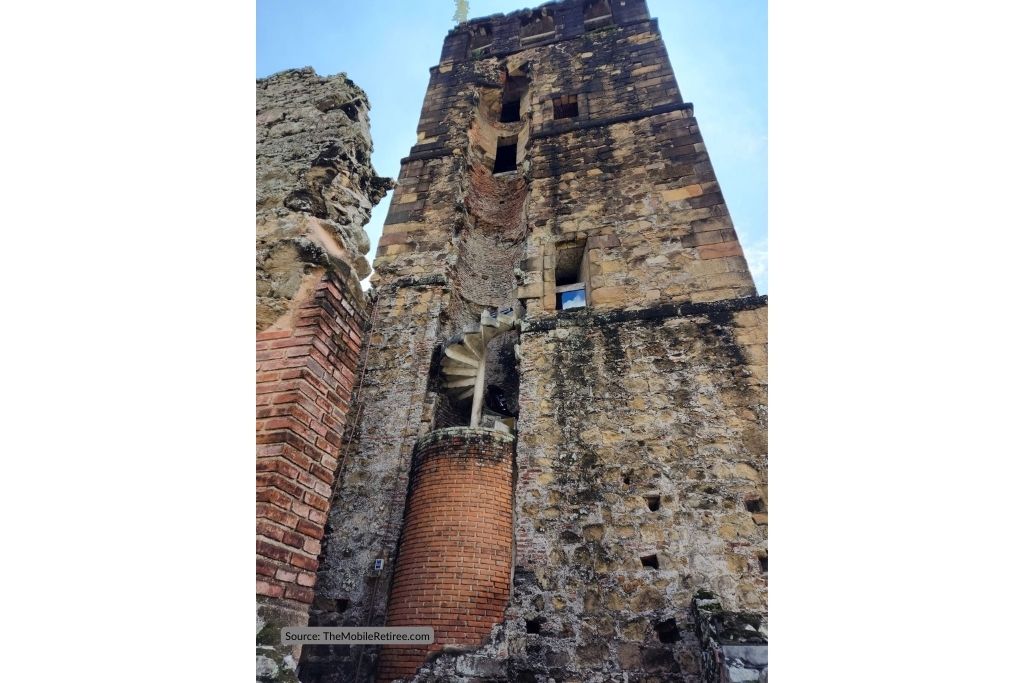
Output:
(315, 188)
(454, 569)
(304, 380)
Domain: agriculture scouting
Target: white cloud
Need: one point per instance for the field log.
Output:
(756, 252)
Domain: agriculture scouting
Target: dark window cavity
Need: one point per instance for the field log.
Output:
(566, 107)
(568, 264)
(650, 561)
(570, 280)
(668, 631)
(510, 111)
(516, 85)
(505, 157)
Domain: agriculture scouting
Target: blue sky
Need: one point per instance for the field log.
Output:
(718, 50)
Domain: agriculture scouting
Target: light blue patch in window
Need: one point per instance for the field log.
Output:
(577, 298)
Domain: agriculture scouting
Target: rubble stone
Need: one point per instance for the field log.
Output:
(315, 186)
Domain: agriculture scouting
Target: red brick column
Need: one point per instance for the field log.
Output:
(304, 381)
(454, 564)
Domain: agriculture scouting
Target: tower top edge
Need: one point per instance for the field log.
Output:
(527, 12)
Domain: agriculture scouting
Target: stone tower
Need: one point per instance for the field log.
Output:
(557, 451)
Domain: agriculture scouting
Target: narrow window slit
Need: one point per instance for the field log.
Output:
(505, 156)
(510, 111)
(653, 503)
(763, 559)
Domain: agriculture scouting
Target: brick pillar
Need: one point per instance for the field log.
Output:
(305, 375)
(454, 562)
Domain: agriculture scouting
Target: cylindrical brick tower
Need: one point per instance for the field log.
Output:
(454, 564)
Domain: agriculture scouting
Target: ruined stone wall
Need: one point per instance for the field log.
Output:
(629, 178)
(315, 188)
(304, 381)
(456, 546)
(669, 414)
(641, 442)
(643, 199)
(641, 435)
(366, 513)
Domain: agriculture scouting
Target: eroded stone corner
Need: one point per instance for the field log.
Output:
(315, 186)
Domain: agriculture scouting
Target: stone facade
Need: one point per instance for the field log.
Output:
(557, 165)
(315, 187)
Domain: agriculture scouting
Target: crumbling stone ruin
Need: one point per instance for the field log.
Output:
(545, 434)
(315, 188)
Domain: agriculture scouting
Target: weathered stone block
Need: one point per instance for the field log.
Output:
(720, 250)
(608, 295)
(682, 193)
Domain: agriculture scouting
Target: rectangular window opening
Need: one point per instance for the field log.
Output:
(505, 156)
(566, 107)
(568, 265)
(754, 505)
(574, 297)
(650, 561)
(570, 280)
(510, 111)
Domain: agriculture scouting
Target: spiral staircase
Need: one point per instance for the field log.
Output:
(464, 364)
